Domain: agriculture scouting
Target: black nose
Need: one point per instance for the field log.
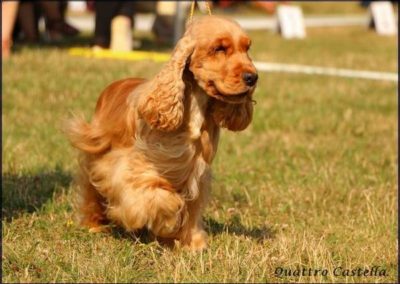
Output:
(250, 78)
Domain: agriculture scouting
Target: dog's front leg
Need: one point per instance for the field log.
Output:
(193, 234)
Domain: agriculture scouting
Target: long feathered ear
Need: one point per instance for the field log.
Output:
(235, 117)
(161, 104)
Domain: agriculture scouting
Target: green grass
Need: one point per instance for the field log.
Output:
(362, 49)
(311, 183)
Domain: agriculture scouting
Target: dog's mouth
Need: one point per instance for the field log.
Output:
(233, 98)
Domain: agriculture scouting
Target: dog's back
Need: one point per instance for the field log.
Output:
(110, 126)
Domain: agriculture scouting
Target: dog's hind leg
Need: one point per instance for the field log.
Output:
(89, 204)
(91, 211)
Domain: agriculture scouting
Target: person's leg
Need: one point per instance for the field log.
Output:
(163, 26)
(55, 23)
(121, 27)
(126, 8)
(63, 6)
(104, 11)
(8, 15)
(27, 21)
(51, 9)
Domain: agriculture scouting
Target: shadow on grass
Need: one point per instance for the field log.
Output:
(27, 193)
(236, 228)
(142, 236)
(233, 227)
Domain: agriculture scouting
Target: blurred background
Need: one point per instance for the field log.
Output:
(117, 25)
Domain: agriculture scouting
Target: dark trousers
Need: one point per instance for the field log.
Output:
(105, 12)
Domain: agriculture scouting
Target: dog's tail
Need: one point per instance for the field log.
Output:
(86, 137)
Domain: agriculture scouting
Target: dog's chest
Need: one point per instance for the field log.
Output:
(187, 141)
(178, 156)
(196, 115)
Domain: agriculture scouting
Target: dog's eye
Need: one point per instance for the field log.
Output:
(220, 48)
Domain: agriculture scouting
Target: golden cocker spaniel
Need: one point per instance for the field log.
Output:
(146, 156)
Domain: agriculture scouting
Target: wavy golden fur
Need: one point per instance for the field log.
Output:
(145, 157)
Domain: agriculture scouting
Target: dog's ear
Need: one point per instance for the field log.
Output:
(161, 104)
(235, 117)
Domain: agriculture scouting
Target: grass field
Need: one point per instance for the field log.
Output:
(312, 183)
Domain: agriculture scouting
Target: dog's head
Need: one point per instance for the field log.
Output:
(215, 51)
(220, 62)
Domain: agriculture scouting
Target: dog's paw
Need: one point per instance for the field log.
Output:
(198, 241)
(171, 216)
(99, 229)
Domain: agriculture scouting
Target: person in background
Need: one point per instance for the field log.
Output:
(8, 15)
(113, 18)
(54, 14)
(56, 25)
(365, 4)
(164, 23)
(114, 21)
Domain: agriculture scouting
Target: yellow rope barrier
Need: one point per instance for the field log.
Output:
(123, 55)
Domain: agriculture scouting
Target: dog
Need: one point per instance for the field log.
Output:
(145, 159)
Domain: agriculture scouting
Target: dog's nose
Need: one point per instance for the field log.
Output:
(250, 78)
